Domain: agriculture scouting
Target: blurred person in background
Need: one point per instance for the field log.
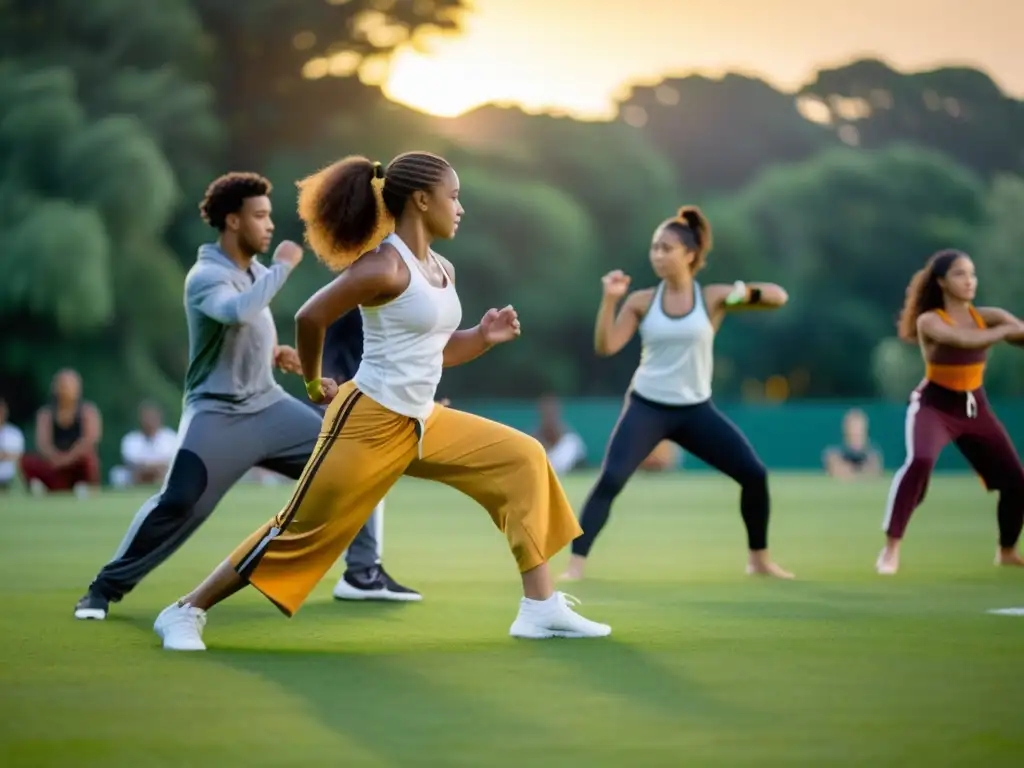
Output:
(950, 405)
(12, 447)
(670, 395)
(565, 448)
(856, 457)
(665, 456)
(68, 433)
(147, 451)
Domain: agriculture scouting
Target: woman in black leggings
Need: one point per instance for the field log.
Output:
(670, 395)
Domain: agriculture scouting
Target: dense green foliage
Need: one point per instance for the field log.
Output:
(113, 121)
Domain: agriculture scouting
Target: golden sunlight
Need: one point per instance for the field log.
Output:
(578, 59)
(469, 75)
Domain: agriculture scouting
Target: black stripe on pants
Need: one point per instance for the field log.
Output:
(701, 430)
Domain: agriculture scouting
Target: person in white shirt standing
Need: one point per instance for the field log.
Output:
(12, 446)
(146, 452)
(670, 396)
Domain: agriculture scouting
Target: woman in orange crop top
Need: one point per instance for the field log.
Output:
(950, 404)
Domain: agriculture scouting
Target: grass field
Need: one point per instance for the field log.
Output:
(705, 666)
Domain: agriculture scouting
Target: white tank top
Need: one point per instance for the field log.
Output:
(677, 361)
(404, 341)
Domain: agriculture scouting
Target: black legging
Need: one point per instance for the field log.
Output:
(698, 429)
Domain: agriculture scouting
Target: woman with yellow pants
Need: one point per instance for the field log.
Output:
(384, 423)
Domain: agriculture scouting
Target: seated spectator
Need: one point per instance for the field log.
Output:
(665, 456)
(68, 432)
(566, 450)
(146, 452)
(12, 446)
(856, 457)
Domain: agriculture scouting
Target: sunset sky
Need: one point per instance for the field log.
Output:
(577, 58)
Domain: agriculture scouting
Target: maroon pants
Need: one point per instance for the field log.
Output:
(85, 470)
(936, 417)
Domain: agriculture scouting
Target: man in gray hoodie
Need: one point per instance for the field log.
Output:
(236, 416)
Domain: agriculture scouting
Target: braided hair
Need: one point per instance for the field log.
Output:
(350, 206)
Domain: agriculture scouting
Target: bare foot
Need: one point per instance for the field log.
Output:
(574, 571)
(888, 562)
(1009, 557)
(760, 564)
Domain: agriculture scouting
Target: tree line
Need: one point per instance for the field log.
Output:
(113, 120)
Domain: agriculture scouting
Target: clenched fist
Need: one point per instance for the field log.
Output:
(615, 284)
(288, 253)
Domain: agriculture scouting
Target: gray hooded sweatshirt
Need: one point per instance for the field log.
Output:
(231, 334)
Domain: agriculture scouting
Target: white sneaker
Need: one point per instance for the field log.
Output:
(181, 627)
(81, 490)
(554, 617)
(36, 487)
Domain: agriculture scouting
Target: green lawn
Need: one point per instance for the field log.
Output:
(705, 666)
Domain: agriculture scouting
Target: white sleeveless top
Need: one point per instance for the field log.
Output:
(404, 341)
(677, 361)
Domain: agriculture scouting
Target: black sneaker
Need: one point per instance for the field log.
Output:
(373, 584)
(92, 606)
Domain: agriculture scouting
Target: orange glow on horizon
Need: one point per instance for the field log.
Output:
(577, 60)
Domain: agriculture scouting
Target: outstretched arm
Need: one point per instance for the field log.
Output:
(995, 317)
(741, 295)
(220, 301)
(931, 326)
(371, 279)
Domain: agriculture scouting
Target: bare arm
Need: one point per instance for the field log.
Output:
(934, 328)
(873, 465)
(720, 297)
(44, 433)
(373, 278)
(467, 344)
(995, 317)
(612, 332)
(92, 432)
(464, 346)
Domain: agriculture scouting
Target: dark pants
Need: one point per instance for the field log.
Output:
(936, 417)
(701, 430)
(85, 470)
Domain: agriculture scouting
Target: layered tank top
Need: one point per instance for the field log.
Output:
(404, 341)
(677, 358)
(961, 370)
(955, 369)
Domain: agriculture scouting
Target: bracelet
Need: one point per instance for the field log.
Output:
(740, 294)
(743, 294)
(315, 390)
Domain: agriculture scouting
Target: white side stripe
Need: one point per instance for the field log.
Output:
(912, 409)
